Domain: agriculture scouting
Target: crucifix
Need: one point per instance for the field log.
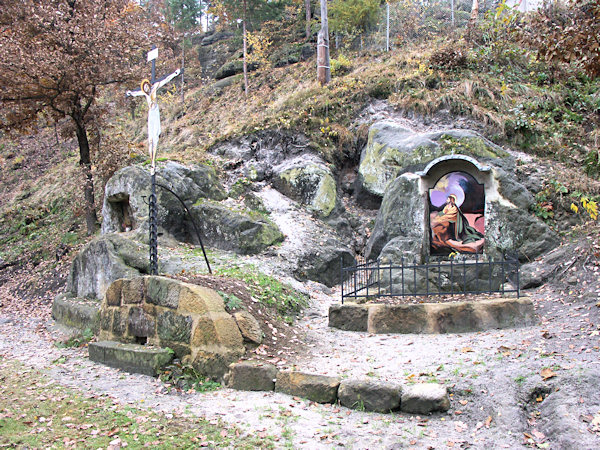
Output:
(149, 88)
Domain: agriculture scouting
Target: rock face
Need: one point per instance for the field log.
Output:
(401, 216)
(189, 319)
(393, 149)
(124, 206)
(104, 260)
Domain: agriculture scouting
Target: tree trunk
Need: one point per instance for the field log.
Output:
(245, 53)
(323, 68)
(473, 19)
(91, 219)
(307, 7)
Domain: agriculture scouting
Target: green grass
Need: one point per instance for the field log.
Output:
(36, 413)
(268, 290)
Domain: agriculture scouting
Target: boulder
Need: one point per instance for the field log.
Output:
(393, 149)
(402, 214)
(309, 181)
(323, 263)
(126, 194)
(424, 398)
(75, 312)
(318, 388)
(227, 229)
(249, 327)
(252, 376)
(104, 260)
(509, 229)
(370, 395)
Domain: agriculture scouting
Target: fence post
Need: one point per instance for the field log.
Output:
(491, 272)
(342, 276)
(402, 271)
(452, 276)
(415, 275)
(391, 284)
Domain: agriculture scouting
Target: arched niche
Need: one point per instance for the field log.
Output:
(455, 204)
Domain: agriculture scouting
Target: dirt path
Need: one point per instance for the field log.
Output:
(499, 397)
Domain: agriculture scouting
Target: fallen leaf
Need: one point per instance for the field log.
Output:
(463, 402)
(547, 373)
(488, 421)
(466, 350)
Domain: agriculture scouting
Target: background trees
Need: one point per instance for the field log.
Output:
(56, 55)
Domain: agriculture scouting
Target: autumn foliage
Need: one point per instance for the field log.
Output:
(56, 55)
(567, 33)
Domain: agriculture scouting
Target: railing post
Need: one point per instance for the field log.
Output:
(491, 273)
(427, 277)
(391, 284)
(464, 276)
(439, 277)
(452, 276)
(342, 276)
(477, 272)
(502, 280)
(402, 271)
(415, 275)
(518, 282)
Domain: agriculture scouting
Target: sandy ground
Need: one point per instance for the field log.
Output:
(499, 396)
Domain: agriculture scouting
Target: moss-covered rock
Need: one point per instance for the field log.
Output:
(228, 229)
(393, 149)
(309, 182)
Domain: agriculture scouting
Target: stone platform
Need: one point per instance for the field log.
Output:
(131, 358)
(434, 318)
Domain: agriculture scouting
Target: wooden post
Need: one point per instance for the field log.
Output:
(245, 53)
(323, 67)
(307, 7)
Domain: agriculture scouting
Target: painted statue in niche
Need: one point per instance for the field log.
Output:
(456, 214)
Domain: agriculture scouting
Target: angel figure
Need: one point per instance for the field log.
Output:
(149, 91)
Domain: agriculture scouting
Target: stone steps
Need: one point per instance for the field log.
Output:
(132, 358)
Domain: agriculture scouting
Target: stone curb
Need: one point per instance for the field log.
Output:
(434, 318)
(359, 394)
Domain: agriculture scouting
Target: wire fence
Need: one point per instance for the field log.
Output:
(372, 280)
(406, 21)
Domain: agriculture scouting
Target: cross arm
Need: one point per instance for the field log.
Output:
(168, 78)
(135, 93)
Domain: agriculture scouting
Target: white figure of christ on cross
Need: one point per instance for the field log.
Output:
(149, 91)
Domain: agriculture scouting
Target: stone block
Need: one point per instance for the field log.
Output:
(133, 291)
(318, 388)
(140, 324)
(174, 327)
(398, 319)
(113, 293)
(249, 327)
(214, 361)
(106, 318)
(424, 398)
(349, 317)
(457, 317)
(370, 395)
(119, 323)
(506, 313)
(162, 291)
(76, 312)
(131, 358)
(252, 376)
(217, 328)
(199, 300)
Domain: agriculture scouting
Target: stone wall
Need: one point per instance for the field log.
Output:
(189, 319)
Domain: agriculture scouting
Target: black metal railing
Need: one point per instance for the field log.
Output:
(371, 279)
